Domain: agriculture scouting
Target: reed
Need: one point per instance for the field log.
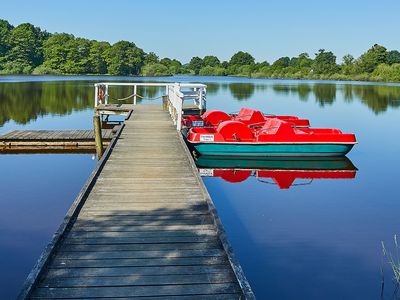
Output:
(393, 259)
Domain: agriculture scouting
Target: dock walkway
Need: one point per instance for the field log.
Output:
(144, 227)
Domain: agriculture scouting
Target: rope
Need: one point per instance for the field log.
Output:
(137, 95)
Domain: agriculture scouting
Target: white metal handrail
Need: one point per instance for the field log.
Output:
(177, 93)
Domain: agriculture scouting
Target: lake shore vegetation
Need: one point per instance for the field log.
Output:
(27, 49)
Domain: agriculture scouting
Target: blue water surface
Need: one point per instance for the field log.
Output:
(317, 239)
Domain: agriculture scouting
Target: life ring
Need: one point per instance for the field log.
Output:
(101, 92)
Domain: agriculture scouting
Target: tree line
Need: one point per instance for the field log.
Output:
(26, 49)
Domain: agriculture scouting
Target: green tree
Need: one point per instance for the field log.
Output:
(211, 61)
(384, 72)
(373, 57)
(225, 64)
(78, 56)
(241, 58)
(348, 60)
(175, 67)
(393, 57)
(166, 61)
(280, 63)
(262, 64)
(324, 62)
(212, 71)
(151, 58)
(25, 52)
(124, 58)
(155, 69)
(55, 51)
(63, 53)
(5, 32)
(97, 61)
(303, 60)
(195, 64)
(348, 64)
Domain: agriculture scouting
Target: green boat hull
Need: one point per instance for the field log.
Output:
(265, 150)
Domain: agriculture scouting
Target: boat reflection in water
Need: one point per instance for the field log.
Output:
(282, 171)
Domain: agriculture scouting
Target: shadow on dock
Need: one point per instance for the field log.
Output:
(160, 252)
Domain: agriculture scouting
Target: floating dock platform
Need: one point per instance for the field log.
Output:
(35, 140)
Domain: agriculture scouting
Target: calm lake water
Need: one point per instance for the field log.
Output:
(301, 229)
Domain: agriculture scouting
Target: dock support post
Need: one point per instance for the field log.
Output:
(98, 136)
(135, 94)
(165, 103)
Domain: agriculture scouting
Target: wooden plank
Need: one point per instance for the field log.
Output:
(139, 247)
(141, 240)
(138, 262)
(133, 280)
(144, 228)
(143, 271)
(227, 296)
(95, 220)
(171, 213)
(48, 135)
(174, 253)
(140, 234)
(181, 253)
(137, 291)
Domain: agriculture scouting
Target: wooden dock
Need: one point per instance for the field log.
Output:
(143, 227)
(30, 140)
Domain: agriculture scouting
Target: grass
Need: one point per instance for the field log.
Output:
(393, 259)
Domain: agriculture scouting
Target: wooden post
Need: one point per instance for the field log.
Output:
(165, 102)
(97, 136)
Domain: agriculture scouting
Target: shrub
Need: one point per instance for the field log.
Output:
(155, 69)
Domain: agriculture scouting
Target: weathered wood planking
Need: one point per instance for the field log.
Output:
(115, 109)
(35, 140)
(144, 227)
(49, 135)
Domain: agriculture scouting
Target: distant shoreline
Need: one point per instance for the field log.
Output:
(333, 80)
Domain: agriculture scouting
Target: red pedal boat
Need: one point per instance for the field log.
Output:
(250, 117)
(275, 137)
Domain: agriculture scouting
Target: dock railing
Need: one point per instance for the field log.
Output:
(176, 93)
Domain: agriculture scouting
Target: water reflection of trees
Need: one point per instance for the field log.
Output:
(324, 93)
(378, 98)
(213, 88)
(23, 102)
(242, 91)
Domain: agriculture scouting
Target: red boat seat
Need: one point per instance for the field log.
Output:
(235, 131)
(250, 116)
(214, 117)
(276, 126)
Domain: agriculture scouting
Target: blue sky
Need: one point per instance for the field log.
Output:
(182, 29)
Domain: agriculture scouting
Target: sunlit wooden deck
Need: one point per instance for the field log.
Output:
(18, 140)
(143, 227)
